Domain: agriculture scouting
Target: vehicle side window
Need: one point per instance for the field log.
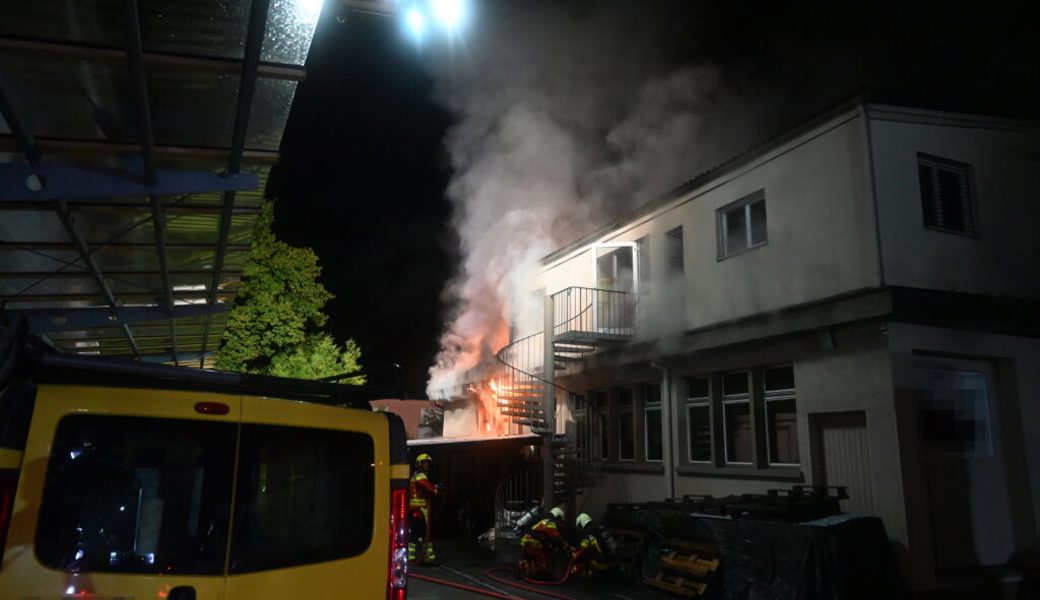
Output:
(137, 495)
(304, 496)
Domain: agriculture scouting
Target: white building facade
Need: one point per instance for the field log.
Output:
(855, 304)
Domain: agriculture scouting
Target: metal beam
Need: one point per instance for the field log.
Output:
(14, 246)
(116, 149)
(110, 273)
(62, 208)
(42, 320)
(72, 182)
(254, 44)
(135, 64)
(183, 208)
(198, 64)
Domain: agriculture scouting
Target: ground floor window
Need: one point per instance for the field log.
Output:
(626, 425)
(745, 418)
(652, 424)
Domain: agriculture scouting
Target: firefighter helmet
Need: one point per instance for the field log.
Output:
(557, 513)
(422, 458)
(582, 520)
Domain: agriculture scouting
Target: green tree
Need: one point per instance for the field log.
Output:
(274, 328)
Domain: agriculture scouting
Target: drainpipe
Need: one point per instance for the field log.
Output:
(667, 444)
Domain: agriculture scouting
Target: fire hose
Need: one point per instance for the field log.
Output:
(512, 583)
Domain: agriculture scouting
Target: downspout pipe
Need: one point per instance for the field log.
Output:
(668, 443)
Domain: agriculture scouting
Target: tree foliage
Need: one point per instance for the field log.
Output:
(275, 325)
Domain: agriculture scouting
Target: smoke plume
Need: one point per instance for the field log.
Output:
(566, 118)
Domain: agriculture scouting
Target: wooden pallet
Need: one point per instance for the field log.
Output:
(678, 584)
(687, 568)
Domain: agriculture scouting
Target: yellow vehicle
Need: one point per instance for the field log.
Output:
(122, 480)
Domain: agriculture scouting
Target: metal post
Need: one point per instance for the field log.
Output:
(548, 405)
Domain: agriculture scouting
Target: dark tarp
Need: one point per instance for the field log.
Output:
(842, 558)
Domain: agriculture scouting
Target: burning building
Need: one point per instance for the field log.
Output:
(853, 303)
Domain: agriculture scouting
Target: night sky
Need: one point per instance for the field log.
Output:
(364, 168)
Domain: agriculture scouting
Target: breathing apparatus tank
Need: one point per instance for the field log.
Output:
(610, 545)
(529, 518)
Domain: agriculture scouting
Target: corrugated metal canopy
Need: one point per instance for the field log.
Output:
(136, 138)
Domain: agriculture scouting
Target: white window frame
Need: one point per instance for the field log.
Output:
(698, 402)
(649, 407)
(769, 397)
(722, 214)
(631, 410)
(732, 399)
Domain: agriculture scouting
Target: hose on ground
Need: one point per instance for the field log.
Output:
(467, 588)
(528, 588)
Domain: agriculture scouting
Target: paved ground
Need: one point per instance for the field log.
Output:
(467, 565)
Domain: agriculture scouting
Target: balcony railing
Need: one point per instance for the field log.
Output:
(582, 313)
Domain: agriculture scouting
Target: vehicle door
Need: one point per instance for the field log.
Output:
(311, 516)
(123, 493)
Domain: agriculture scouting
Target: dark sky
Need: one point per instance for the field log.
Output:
(364, 168)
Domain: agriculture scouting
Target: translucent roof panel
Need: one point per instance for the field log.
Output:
(290, 27)
(68, 78)
(62, 98)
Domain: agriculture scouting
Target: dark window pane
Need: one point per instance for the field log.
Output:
(653, 393)
(303, 496)
(736, 230)
(697, 387)
(601, 427)
(735, 383)
(626, 436)
(738, 431)
(137, 495)
(625, 397)
(783, 431)
(698, 420)
(653, 434)
(579, 402)
(581, 425)
(951, 202)
(779, 378)
(674, 246)
(758, 222)
(929, 201)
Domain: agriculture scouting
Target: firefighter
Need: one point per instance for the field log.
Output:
(420, 493)
(589, 558)
(540, 545)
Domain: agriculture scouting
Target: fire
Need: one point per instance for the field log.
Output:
(491, 420)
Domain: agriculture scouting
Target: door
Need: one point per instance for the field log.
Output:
(312, 503)
(965, 473)
(123, 493)
(617, 281)
(841, 456)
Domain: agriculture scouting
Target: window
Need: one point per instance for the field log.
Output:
(953, 411)
(581, 422)
(946, 194)
(674, 248)
(626, 425)
(643, 248)
(742, 225)
(304, 496)
(601, 424)
(736, 416)
(781, 417)
(137, 495)
(652, 422)
(698, 419)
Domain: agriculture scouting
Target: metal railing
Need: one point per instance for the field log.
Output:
(514, 495)
(599, 313)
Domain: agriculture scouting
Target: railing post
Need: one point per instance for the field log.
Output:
(548, 403)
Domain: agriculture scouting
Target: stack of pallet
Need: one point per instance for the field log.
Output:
(686, 568)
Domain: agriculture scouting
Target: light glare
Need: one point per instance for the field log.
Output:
(416, 23)
(448, 12)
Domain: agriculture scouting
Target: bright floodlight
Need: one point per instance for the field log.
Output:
(416, 23)
(448, 12)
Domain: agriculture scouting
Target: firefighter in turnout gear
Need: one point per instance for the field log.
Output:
(590, 556)
(541, 544)
(420, 493)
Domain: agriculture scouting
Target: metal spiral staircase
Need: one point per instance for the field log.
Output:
(584, 320)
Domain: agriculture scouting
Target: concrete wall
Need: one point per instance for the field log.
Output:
(1015, 398)
(1004, 259)
(821, 234)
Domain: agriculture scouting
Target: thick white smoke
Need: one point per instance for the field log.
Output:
(565, 119)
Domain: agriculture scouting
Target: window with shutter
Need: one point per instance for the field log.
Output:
(947, 197)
